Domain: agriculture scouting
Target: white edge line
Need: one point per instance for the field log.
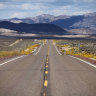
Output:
(38, 50)
(84, 61)
(34, 50)
(11, 60)
(57, 49)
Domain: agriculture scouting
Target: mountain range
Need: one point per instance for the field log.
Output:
(44, 18)
(78, 24)
(40, 28)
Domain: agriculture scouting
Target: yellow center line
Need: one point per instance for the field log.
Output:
(47, 62)
(44, 94)
(45, 83)
(46, 72)
(47, 59)
(46, 66)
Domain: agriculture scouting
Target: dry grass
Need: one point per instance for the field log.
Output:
(83, 48)
(14, 47)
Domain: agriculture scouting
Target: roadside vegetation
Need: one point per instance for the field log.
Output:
(15, 47)
(82, 48)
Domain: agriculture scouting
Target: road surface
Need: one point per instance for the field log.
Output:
(47, 73)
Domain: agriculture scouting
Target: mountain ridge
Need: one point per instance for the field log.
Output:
(40, 28)
(86, 21)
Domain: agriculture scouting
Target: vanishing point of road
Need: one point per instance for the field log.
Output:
(47, 73)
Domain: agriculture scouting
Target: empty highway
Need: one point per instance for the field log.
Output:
(47, 73)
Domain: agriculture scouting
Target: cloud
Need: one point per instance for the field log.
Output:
(35, 1)
(61, 10)
(48, 1)
(37, 6)
(69, 10)
(34, 10)
(18, 14)
(81, 12)
(84, 1)
(2, 6)
(26, 8)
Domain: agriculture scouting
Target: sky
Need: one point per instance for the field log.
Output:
(31, 8)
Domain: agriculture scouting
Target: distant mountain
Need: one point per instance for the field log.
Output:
(17, 20)
(68, 22)
(24, 28)
(14, 20)
(86, 22)
(89, 21)
(44, 18)
(81, 21)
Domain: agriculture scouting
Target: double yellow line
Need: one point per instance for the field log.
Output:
(46, 72)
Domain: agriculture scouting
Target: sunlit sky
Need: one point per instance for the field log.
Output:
(31, 8)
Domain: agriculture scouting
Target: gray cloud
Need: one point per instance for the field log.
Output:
(26, 8)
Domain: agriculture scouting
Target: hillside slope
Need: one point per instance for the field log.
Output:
(33, 28)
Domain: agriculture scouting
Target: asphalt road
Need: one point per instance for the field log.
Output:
(66, 76)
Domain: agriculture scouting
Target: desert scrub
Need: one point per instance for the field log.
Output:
(55, 41)
(16, 44)
(29, 49)
(14, 47)
(83, 48)
(9, 53)
(77, 52)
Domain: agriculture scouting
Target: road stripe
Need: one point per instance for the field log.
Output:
(47, 59)
(38, 50)
(47, 62)
(11, 60)
(46, 66)
(84, 61)
(34, 50)
(45, 83)
(57, 49)
(46, 72)
(44, 94)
